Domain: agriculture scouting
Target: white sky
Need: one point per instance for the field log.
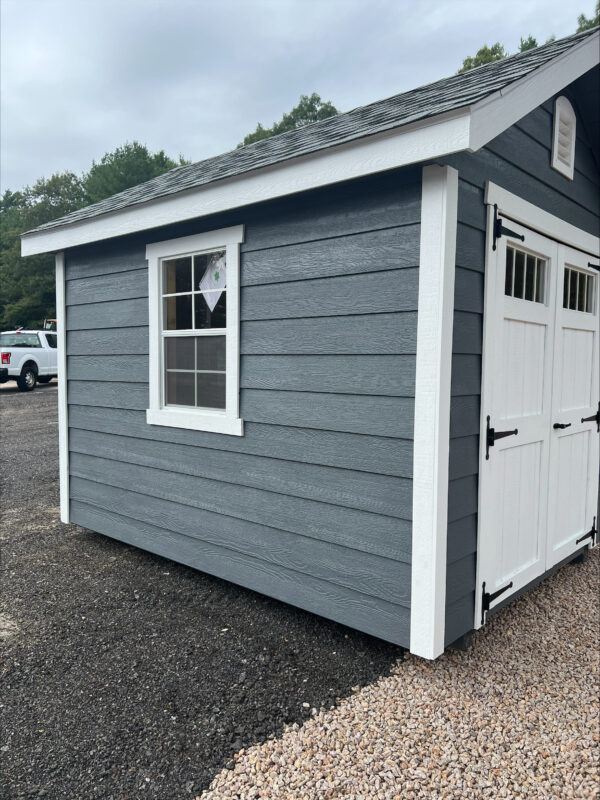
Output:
(81, 77)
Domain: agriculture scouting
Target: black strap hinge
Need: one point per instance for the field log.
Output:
(594, 418)
(591, 534)
(491, 434)
(500, 230)
(489, 597)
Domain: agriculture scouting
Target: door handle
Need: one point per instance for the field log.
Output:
(560, 425)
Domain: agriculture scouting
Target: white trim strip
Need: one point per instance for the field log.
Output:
(498, 112)
(547, 224)
(432, 410)
(63, 409)
(447, 133)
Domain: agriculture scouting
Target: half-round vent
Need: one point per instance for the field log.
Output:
(563, 141)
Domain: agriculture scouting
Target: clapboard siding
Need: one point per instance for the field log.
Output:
(361, 490)
(519, 161)
(372, 615)
(367, 375)
(376, 454)
(318, 491)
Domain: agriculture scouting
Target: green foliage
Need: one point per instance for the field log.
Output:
(584, 24)
(309, 109)
(27, 284)
(125, 167)
(527, 44)
(485, 55)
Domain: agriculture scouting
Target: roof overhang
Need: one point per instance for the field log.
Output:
(469, 128)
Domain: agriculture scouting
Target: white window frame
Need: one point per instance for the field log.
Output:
(227, 421)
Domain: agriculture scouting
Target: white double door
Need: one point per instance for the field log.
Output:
(538, 491)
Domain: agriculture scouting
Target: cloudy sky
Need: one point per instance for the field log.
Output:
(81, 77)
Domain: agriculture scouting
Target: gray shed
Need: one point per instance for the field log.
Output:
(353, 367)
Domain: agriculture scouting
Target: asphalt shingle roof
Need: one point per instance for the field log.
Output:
(445, 95)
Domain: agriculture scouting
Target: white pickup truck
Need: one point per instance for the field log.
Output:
(28, 357)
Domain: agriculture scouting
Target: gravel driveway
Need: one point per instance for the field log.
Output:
(125, 675)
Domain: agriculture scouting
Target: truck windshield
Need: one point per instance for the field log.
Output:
(19, 340)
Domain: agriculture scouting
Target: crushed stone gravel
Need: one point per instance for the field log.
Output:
(517, 716)
(125, 676)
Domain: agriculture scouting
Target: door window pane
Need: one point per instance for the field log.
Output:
(211, 389)
(525, 276)
(579, 290)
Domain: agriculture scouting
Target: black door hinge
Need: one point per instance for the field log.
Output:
(491, 434)
(594, 418)
(500, 230)
(591, 534)
(487, 598)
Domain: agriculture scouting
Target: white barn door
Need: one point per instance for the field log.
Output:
(575, 442)
(539, 444)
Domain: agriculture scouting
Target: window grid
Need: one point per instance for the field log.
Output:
(525, 276)
(192, 332)
(579, 290)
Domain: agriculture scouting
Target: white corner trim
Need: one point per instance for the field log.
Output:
(212, 421)
(519, 210)
(432, 410)
(499, 111)
(63, 409)
(447, 133)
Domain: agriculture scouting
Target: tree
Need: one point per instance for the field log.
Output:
(527, 44)
(309, 109)
(485, 55)
(27, 284)
(584, 24)
(125, 167)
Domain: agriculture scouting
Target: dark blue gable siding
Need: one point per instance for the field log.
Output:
(313, 504)
(519, 161)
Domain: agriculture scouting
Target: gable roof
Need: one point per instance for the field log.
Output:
(464, 105)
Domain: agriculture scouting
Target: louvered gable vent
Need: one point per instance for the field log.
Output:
(563, 141)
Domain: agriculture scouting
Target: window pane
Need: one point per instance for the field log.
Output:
(211, 390)
(178, 312)
(51, 339)
(179, 352)
(210, 352)
(177, 275)
(210, 310)
(573, 290)
(529, 277)
(582, 292)
(508, 280)
(209, 271)
(519, 273)
(591, 285)
(180, 388)
(540, 285)
(566, 288)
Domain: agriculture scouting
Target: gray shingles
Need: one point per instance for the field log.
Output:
(445, 95)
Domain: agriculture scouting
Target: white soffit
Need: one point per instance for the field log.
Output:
(469, 128)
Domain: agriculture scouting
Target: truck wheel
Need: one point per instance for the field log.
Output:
(28, 378)
(44, 378)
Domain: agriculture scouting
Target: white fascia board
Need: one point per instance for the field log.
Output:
(519, 210)
(63, 408)
(435, 317)
(411, 144)
(493, 115)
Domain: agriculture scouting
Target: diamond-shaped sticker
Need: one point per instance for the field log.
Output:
(213, 281)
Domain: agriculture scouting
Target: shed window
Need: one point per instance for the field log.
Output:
(194, 332)
(579, 290)
(525, 276)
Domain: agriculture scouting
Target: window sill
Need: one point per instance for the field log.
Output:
(196, 421)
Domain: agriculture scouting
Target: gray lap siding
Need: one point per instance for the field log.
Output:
(519, 161)
(313, 504)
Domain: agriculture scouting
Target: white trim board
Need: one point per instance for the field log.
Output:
(63, 408)
(468, 128)
(432, 410)
(535, 218)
